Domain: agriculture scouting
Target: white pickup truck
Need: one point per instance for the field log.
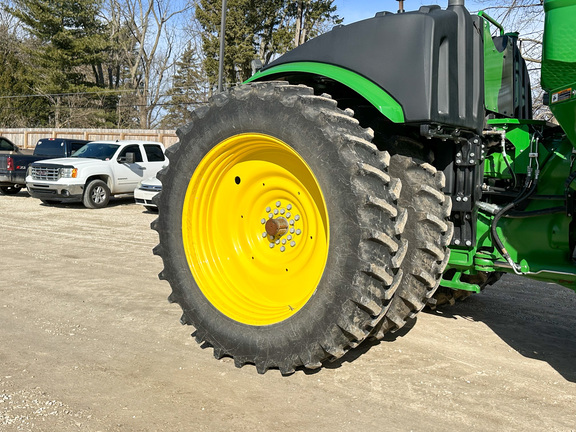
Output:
(95, 172)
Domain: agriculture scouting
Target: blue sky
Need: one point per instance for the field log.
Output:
(355, 10)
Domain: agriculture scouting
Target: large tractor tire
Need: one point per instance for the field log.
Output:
(428, 233)
(279, 229)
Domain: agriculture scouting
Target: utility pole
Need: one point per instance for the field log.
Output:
(221, 60)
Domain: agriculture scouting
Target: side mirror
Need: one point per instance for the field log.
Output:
(129, 158)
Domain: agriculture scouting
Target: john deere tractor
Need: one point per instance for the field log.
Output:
(324, 201)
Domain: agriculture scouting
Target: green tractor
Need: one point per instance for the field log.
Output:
(326, 200)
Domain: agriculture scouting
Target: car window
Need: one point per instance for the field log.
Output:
(133, 148)
(154, 153)
(76, 146)
(6, 145)
(50, 147)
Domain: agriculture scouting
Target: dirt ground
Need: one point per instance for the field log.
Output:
(88, 342)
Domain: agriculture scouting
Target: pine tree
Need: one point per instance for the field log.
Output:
(71, 43)
(188, 90)
(257, 29)
(17, 109)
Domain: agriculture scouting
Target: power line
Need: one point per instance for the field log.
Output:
(95, 93)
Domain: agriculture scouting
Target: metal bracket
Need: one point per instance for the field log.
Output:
(467, 190)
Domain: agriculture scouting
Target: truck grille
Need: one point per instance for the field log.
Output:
(45, 173)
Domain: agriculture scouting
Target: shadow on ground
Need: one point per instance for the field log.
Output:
(537, 319)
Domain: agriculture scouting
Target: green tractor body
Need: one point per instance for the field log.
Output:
(442, 74)
(378, 168)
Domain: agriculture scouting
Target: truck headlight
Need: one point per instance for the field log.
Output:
(68, 172)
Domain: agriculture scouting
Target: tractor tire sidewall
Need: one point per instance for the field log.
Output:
(317, 322)
(87, 197)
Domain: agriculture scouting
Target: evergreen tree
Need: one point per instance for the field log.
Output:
(188, 90)
(17, 109)
(71, 44)
(258, 29)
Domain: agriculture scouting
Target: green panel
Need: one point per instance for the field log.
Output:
(493, 68)
(559, 44)
(563, 106)
(374, 94)
(519, 132)
(559, 62)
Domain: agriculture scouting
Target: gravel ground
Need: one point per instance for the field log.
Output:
(90, 343)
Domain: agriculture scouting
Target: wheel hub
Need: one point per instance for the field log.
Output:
(283, 230)
(276, 227)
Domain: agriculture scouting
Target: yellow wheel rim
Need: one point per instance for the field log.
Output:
(255, 229)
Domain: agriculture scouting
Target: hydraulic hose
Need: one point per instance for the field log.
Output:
(524, 194)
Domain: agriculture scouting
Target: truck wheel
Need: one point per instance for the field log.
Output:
(428, 233)
(278, 227)
(9, 190)
(96, 195)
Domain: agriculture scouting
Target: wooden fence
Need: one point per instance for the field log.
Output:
(27, 138)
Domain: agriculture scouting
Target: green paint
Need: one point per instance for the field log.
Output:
(559, 44)
(373, 93)
(540, 244)
(493, 67)
(559, 62)
(455, 282)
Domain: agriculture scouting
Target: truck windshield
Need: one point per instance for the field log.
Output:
(100, 151)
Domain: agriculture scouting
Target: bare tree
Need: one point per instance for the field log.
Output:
(149, 50)
(527, 18)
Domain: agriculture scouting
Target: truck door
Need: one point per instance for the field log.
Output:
(127, 176)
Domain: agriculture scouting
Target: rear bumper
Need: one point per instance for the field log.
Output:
(13, 179)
